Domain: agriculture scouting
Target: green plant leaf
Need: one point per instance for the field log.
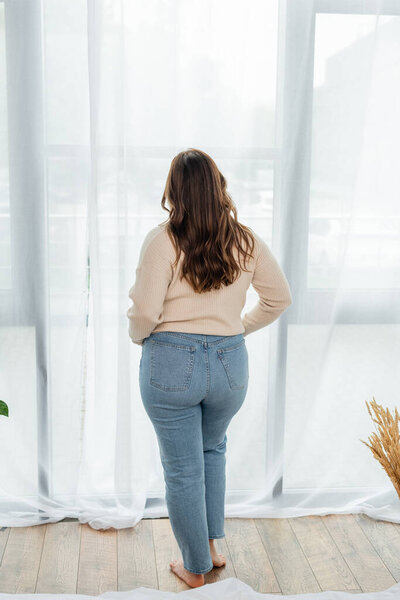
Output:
(3, 409)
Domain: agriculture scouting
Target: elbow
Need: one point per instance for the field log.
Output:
(288, 300)
(141, 322)
(278, 306)
(283, 305)
(285, 301)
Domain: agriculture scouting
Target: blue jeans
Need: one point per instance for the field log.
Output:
(191, 386)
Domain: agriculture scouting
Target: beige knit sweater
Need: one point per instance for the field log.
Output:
(161, 302)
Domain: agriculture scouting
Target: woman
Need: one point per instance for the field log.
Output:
(191, 282)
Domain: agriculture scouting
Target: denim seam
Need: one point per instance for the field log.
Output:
(229, 348)
(199, 572)
(198, 340)
(208, 372)
(181, 347)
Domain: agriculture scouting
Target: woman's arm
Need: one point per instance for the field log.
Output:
(273, 289)
(153, 276)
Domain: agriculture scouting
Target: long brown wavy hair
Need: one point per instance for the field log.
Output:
(200, 223)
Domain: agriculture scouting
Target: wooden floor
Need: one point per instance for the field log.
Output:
(281, 556)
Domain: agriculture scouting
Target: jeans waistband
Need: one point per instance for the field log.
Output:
(197, 337)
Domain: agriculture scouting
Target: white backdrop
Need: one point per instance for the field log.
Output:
(298, 103)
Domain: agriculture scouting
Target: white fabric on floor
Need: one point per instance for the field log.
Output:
(227, 589)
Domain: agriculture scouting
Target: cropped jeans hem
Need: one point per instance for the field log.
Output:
(215, 537)
(201, 571)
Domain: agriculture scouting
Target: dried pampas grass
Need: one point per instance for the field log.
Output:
(385, 445)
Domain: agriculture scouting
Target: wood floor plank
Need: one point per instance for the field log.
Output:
(219, 573)
(21, 559)
(4, 533)
(98, 561)
(289, 556)
(288, 560)
(166, 549)
(328, 565)
(136, 557)
(366, 565)
(250, 560)
(385, 537)
(58, 568)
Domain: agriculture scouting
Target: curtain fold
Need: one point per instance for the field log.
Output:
(297, 102)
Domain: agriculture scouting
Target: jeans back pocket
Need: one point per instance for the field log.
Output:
(171, 366)
(235, 362)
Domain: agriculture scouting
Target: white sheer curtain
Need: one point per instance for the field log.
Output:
(298, 103)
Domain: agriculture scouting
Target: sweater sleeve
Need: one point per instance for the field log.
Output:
(273, 289)
(153, 276)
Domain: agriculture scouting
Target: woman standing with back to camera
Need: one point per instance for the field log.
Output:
(188, 295)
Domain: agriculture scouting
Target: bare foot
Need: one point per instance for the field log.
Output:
(218, 559)
(192, 579)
